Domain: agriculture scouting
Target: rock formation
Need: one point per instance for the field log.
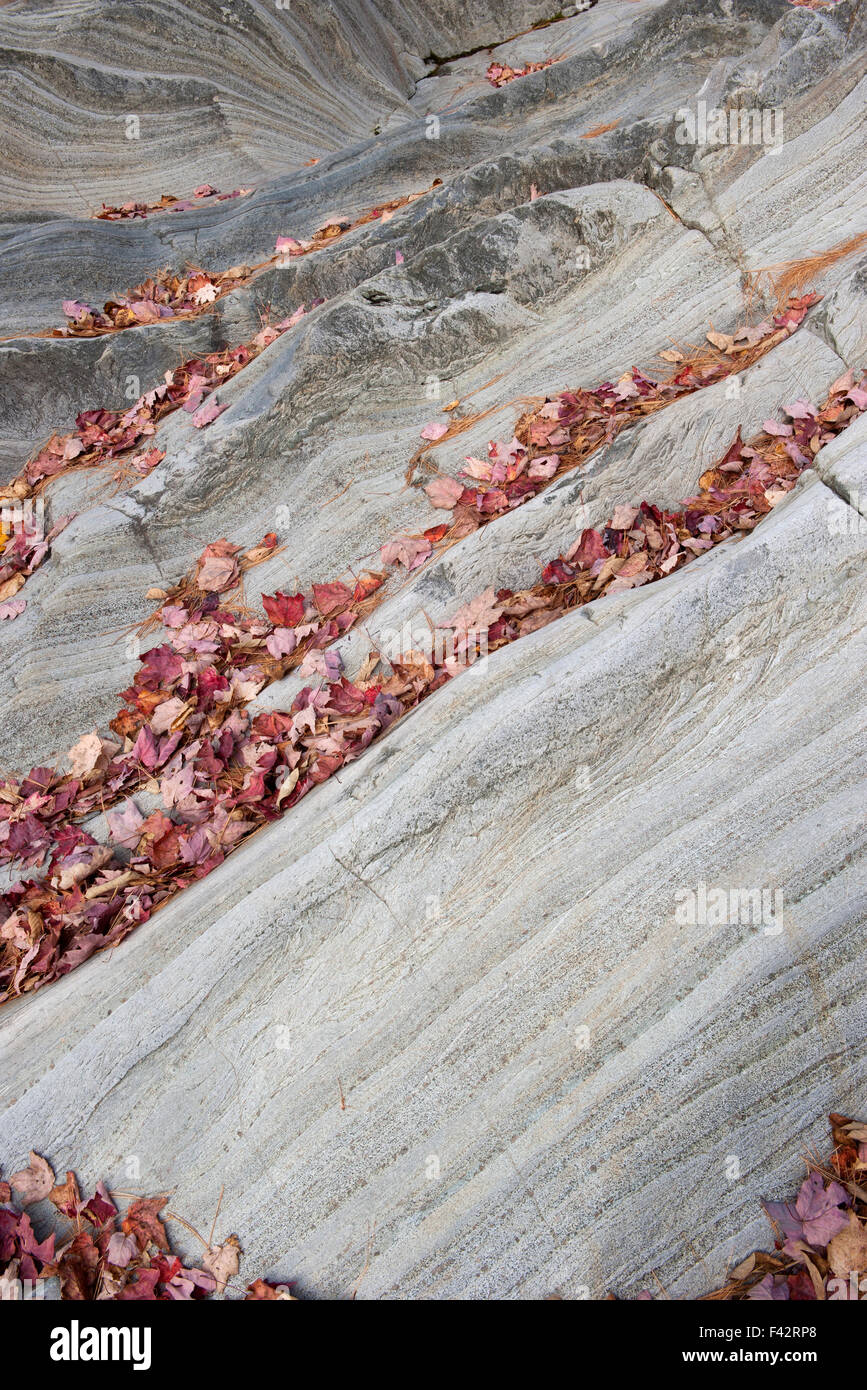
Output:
(444, 1019)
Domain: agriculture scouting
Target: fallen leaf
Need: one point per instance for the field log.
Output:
(66, 1196)
(206, 414)
(331, 598)
(444, 492)
(142, 1221)
(121, 1249)
(85, 754)
(223, 1261)
(11, 586)
(77, 1266)
(217, 569)
(723, 341)
(34, 1182)
(847, 1250)
(744, 1268)
(124, 824)
(544, 467)
(205, 294)
(288, 785)
(476, 616)
(410, 551)
(260, 1290)
(623, 517)
(281, 642)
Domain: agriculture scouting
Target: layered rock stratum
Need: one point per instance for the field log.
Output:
(442, 1024)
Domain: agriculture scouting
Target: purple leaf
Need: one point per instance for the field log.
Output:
(819, 1209)
(771, 1287)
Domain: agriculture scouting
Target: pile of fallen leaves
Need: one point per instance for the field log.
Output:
(820, 1247)
(332, 231)
(182, 732)
(560, 435)
(164, 296)
(170, 296)
(576, 423)
(101, 436)
(169, 203)
(23, 547)
(99, 1253)
(185, 735)
(498, 74)
(644, 542)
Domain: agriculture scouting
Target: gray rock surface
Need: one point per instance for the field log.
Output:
(440, 953)
(473, 935)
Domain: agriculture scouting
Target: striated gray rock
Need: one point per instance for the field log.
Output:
(843, 466)
(474, 936)
(221, 91)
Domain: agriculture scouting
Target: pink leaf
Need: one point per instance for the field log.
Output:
(819, 1209)
(622, 517)
(477, 468)
(146, 311)
(444, 492)
(165, 714)
(281, 642)
(35, 1181)
(124, 827)
(121, 1249)
(74, 310)
(217, 568)
(327, 664)
(476, 616)
(411, 551)
(207, 414)
(773, 1286)
(544, 467)
(800, 410)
